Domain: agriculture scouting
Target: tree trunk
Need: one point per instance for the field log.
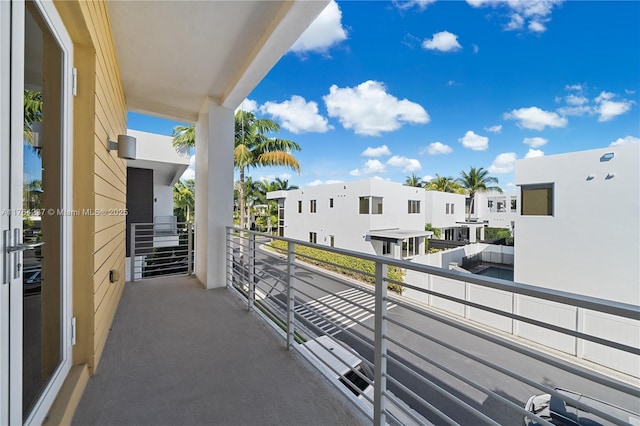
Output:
(472, 196)
(241, 197)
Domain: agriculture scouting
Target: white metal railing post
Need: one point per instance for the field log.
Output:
(291, 271)
(189, 248)
(132, 251)
(252, 269)
(380, 347)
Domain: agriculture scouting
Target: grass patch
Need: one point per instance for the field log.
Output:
(345, 265)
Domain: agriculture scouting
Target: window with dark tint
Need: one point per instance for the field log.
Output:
(332, 240)
(414, 206)
(376, 203)
(313, 237)
(299, 206)
(330, 202)
(537, 200)
(312, 206)
(364, 205)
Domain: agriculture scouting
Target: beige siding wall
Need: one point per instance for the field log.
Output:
(99, 176)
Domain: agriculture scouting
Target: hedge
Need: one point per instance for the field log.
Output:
(333, 261)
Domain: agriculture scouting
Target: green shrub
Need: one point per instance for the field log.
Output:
(334, 261)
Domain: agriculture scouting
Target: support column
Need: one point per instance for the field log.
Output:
(214, 191)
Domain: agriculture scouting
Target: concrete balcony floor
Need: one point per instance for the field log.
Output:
(178, 354)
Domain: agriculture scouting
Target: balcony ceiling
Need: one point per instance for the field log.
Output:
(175, 54)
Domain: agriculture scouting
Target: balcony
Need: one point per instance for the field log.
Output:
(451, 349)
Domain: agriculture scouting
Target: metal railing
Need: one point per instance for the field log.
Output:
(417, 363)
(157, 250)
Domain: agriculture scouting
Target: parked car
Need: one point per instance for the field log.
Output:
(557, 411)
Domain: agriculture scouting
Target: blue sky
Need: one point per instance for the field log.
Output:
(386, 89)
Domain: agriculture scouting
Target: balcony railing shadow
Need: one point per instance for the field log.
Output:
(179, 354)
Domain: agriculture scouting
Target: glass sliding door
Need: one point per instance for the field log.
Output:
(35, 188)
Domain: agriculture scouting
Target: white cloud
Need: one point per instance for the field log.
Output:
(608, 108)
(427, 178)
(297, 115)
(376, 152)
(369, 110)
(475, 142)
(535, 12)
(409, 165)
(355, 172)
(536, 118)
(323, 33)
(577, 87)
(537, 27)
(534, 153)
(503, 163)
(437, 148)
(443, 41)
(285, 176)
(247, 105)
(624, 141)
(408, 4)
(535, 142)
(494, 129)
(190, 173)
(319, 182)
(372, 167)
(576, 99)
(476, 48)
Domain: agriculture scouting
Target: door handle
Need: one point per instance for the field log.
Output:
(23, 247)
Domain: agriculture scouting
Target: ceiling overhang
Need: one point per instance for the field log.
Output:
(175, 55)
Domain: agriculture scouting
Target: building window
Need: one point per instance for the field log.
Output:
(537, 200)
(386, 248)
(410, 247)
(447, 208)
(313, 237)
(376, 203)
(330, 203)
(414, 206)
(332, 240)
(452, 205)
(299, 206)
(312, 206)
(364, 205)
(513, 205)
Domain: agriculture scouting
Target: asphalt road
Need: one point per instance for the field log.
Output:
(316, 290)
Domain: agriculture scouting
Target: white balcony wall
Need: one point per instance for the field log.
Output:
(162, 200)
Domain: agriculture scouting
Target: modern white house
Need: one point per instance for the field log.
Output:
(579, 231)
(370, 216)
(496, 209)
(150, 180)
(445, 211)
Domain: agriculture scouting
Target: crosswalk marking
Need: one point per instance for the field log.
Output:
(334, 309)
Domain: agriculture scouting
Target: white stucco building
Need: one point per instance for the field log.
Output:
(496, 209)
(445, 211)
(579, 231)
(369, 216)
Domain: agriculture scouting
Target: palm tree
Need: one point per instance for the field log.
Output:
(254, 149)
(476, 181)
(184, 136)
(184, 197)
(444, 184)
(414, 180)
(282, 185)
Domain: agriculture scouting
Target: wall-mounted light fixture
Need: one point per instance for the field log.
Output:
(126, 147)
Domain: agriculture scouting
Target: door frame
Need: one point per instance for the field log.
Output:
(11, 350)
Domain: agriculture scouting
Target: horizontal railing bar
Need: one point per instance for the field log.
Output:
(601, 305)
(547, 326)
(517, 348)
(426, 404)
(449, 371)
